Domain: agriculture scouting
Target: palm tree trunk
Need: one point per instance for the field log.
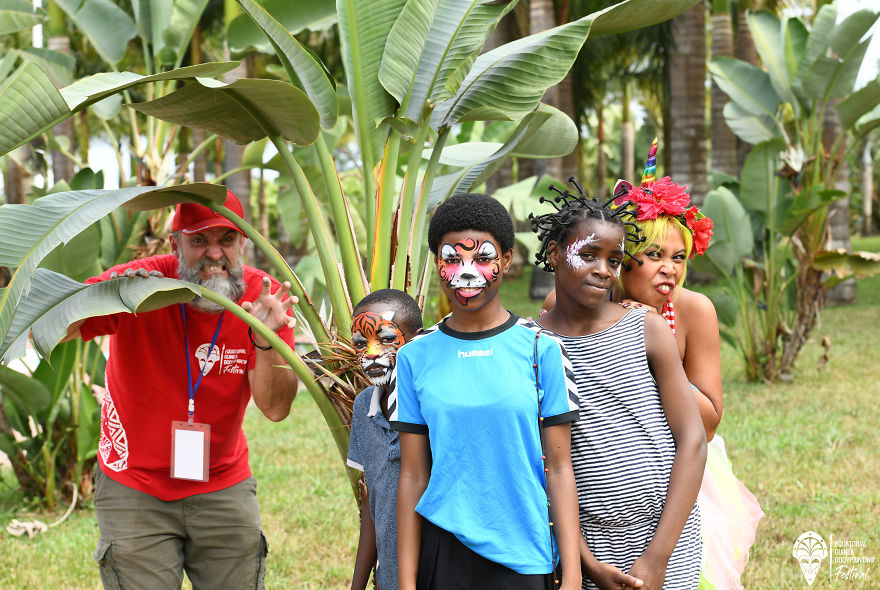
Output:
(627, 137)
(200, 164)
(724, 157)
(686, 156)
(62, 167)
(504, 33)
(867, 182)
(233, 153)
(744, 49)
(541, 18)
(838, 213)
(601, 164)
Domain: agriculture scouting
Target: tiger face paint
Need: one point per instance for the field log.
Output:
(468, 267)
(376, 338)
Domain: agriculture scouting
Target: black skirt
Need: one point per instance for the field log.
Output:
(445, 563)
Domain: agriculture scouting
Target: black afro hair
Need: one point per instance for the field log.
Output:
(472, 211)
(407, 313)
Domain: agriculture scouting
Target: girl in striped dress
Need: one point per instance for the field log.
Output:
(638, 448)
(673, 233)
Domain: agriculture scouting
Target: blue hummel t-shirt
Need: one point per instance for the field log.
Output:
(473, 394)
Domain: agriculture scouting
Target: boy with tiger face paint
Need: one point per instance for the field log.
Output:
(376, 338)
(383, 322)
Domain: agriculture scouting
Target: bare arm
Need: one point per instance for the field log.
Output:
(702, 356)
(273, 384)
(415, 469)
(73, 331)
(365, 559)
(690, 455)
(563, 501)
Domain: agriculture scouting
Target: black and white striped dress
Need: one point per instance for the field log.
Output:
(622, 452)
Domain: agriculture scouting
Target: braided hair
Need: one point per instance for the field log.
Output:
(571, 210)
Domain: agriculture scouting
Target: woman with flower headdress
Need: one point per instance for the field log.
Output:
(653, 276)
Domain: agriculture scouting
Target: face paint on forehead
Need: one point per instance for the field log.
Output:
(487, 250)
(572, 253)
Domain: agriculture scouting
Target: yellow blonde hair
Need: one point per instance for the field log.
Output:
(654, 230)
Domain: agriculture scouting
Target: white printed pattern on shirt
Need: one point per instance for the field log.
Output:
(113, 445)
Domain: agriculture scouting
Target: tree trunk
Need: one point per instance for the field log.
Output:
(601, 164)
(233, 153)
(744, 49)
(686, 158)
(62, 166)
(724, 156)
(17, 180)
(627, 137)
(838, 212)
(504, 33)
(541, 18)
(867, 182)
(200, 163)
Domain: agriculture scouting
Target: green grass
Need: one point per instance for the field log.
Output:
(807, 449)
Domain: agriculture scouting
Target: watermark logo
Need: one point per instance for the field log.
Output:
(810, 549)
(848, 558)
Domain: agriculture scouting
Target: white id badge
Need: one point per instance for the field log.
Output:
(190, 449)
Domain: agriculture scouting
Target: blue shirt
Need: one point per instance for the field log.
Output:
(473, 394)
(375, 449)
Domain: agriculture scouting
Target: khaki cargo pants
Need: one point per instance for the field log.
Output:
(148, 543)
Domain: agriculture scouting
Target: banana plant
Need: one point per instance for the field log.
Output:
(788, 182)
(414, 72)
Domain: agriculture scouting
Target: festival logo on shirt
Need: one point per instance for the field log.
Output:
(468, 267)
(232, 361)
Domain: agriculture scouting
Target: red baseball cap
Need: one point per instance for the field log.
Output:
(192, 218)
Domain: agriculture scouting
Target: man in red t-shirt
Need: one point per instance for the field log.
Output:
(174, 490)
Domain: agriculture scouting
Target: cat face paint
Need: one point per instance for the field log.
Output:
(468, 267)
(376, 338)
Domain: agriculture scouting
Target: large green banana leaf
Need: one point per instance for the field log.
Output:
(746, 85)
(295, 16)
(244, 111)
(431, 47)
(761, 189)
(853, 107)
(300, 63)
(779, 47)
(58, 65)
(175, 39)
(107, 27)
(56, 301)
(99, 86)
(18, 15)
(509, 81)
(363, 30)
(834, 75)
(732, 239)
(30, 104)
(151, 19)
(30, 232)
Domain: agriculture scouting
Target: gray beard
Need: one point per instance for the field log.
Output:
(232, 287)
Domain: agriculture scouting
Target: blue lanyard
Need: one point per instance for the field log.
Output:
(193, 388)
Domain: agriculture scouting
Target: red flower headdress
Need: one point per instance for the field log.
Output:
(664, 197)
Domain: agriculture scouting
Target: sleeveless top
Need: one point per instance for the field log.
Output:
(622, 451)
